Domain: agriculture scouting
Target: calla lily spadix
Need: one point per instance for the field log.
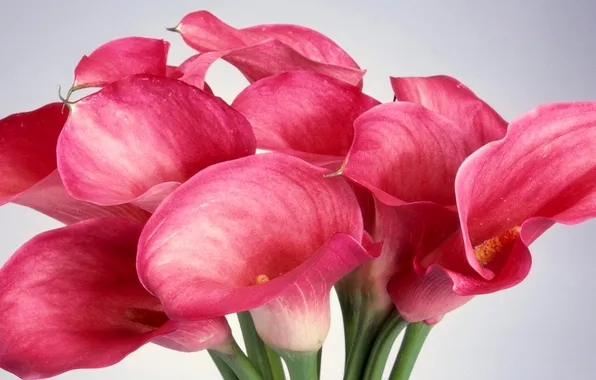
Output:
(157, 131)
(28, 168)
(70, 298)
(508, 192)
(266, 50)
(266, 233)
(304, 114)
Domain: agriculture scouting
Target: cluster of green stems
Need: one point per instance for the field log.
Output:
(369, 338)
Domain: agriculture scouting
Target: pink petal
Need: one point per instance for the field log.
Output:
(303, 111)
(267, 214)
(424, 298)
(266, 50)
(28, 148)
(49, 197)
(449, 97)
(70, 298)
(403, 152)
(543, 171)
(152, 130)
(121, 58)
(298, 319)
(191, 74)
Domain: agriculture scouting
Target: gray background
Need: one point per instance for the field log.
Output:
(514, 53)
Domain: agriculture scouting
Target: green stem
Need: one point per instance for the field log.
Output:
(224, 369)
(416, 334)
(302, 365)
(367, 330)
(319, 360)
(262, 357)
(377, 360)
(351, 305)
(238, 362)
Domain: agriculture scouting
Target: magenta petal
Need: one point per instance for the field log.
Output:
(49, 197)
(120, 58)
(545, 168)
(70, 298)
(151, 130)
(403, 152)
(303, 111)
(266, 50)
(449, 97)
(263, 215)
(28, 148)
(424, 298)
(298, 319)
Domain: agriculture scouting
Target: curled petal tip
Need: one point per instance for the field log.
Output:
(173, 29)
(336, 173)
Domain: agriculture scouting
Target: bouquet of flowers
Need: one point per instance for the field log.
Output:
(181, 210)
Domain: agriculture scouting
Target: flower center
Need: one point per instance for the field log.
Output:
(150, 318)
(490, 248)
(261, 279)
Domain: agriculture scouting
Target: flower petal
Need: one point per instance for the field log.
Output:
(70, 298)
(424, 298)
(120, 58)
(403, 152)
(28, 148)
(545, 168)
(303, 111)
(255, 218)
(152, 130)
(449, 97)
(298, 319)
(266, 50)
(49, 197)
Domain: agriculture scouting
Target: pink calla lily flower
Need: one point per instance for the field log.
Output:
(157, 133)
(70, 298)
(305, 114)
(121, 58)
(266, 50)
(506, 192)
(266, 233)
(28, 169)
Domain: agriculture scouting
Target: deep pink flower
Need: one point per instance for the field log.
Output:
(304, 114)
(508, 192)
(138, 138)
(70, 298)
(265, 233)
(28, 168)
(120, 58)
(265, 50)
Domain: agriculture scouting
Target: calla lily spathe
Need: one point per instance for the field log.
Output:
(29, 173)
(70, 298)
(445, 163)
(265, 233)
(266, 50)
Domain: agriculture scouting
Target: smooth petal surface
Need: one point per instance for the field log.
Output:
(233, 237)
(28, 148)
(543, 171)
(449, 97)
(424, 298)
(49, 197)
(403, 152)
(70, 298)
(266, 50)
(305, 112)
(121, 58)
(298, 319)
(142, 131)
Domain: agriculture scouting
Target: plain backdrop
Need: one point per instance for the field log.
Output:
(515, 54)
